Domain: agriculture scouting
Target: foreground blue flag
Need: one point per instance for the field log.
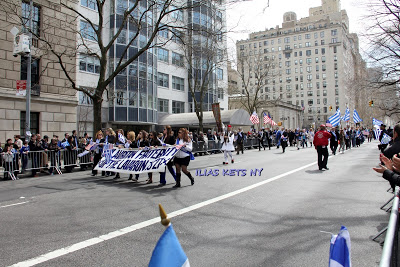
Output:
(168, 251)
(339, 255)
(385, 139)
(335, 119)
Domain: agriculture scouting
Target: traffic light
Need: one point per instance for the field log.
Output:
(330, 108)
(371, 103)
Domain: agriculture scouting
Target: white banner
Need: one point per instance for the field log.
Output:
(137, 161)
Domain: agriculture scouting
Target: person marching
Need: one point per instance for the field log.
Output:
(334, 140)
(131, 143)
(168, 139)
(341, 141)
(284, 139)
(120, 142)
(97, 151)
(110, 138)
(183, 156)
(227, 145)
(321, 141)
(239, 141)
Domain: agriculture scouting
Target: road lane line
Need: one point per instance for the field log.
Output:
(13, 204)
(96, 240)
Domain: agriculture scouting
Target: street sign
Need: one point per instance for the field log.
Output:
(21, 88)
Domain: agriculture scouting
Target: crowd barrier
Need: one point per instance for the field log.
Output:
(57, 161)
(390, 248)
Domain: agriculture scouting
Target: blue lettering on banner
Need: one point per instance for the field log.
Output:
(228, 172)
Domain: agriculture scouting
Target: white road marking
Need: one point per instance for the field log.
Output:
(96, 240)
(13, 204)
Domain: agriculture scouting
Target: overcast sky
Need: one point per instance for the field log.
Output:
(254, 15)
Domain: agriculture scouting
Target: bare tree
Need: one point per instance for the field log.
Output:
(384, 54)
(146, 19)
(255, 72)
(205, 56)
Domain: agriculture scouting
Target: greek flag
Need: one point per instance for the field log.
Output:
(107, 152)
(168, 251)
(385, 139)
(376, 122)
(346, 116)
(335, 119)
(64, 144)
(339, 254)
(356, 117)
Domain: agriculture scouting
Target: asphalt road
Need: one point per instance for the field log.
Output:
(272, 219)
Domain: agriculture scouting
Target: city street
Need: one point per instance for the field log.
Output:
(272, 219)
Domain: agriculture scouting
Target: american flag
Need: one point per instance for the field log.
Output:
(254, 118)
(267, 119)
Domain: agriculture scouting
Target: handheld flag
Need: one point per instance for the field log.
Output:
(346, 116)
(254, 118)
(267, 119)
(385, 139)
(356, 117)
(121, 138)
(64, 144)
(335, 119)
(376, 122)
(168, 251)
(339, 255)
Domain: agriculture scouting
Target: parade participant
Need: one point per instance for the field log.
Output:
(153, 143)
(284, 139)
(260, 138)
(269, 137)
(131, 143)
(321, 141)
(99, 141)
(183, 156)
(334, 140)
(239, 141)
(297, 138)
(110, 138)
(304, 138)
(311, 137)
(142, 141)
(168, 140)
(341, 141)
(120, 143)
(227, 145)
(278, 136)
(370, 135)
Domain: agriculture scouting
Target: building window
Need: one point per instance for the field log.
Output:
(309, 93)
(308, 44)
(324, 93)
(334, 32)
(178, 107)
(133, 99)
(177, 59)
(221, 93)
(87, 31)
(26, 18)
(163, 105)
(178, 14)
(89, 4)
(220, 74)
(178, 83)
(35, 77)
(84, 99)
(310, 102)
(163, 55)
(121, 98)
(308, 53)
(89, 64)
(163, 32)
(34, 123)
(163, 79)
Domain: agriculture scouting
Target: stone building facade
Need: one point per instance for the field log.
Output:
(316, 61)
(53, 103)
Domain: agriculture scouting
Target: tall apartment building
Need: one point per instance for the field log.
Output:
(157, 83)
(315, 58)
(53, 103)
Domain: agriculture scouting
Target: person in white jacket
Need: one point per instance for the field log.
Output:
(227, 145)
(183, 156)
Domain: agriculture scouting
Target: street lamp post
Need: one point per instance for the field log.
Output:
(29, 78)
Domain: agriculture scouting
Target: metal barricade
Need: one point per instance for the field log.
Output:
(10, 164)
(390, 247)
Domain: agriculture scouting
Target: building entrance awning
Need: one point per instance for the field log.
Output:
(234, 117)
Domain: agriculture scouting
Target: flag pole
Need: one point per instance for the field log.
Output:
(164, 220)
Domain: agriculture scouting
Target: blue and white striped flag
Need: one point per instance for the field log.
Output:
(356, 117)
(168, 251)
(121, 138)
(385, 139)
(346, 116)
(376, 122)
(335, 119)
(339, 255)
